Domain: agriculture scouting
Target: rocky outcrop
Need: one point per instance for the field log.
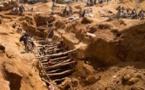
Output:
(13, 76)
(83, 70)
(69, 83)
(91, 79)
(129, 79)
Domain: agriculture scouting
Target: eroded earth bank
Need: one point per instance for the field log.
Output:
(111, 54)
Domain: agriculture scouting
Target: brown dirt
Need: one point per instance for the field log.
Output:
(113, 60)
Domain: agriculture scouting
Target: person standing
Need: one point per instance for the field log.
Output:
(52, 8)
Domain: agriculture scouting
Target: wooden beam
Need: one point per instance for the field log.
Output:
(49, 45)
(55, 59)
(59, 65)
(56, 49)
(55, 70)
(42, 40)
(59, 54)
(50, 48)
(54, 63)
(61, 73)
(46, 60)
(44, 71)
(59, 58)
(44, 80)
(58, 80)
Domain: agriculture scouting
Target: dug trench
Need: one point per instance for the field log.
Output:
(113, 59)
(55, 62)
(112, 47)
(116, 54)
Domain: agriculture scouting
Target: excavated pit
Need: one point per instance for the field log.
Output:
(57, 67)
(113, 43)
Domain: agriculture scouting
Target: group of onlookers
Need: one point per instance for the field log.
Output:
(128, 13)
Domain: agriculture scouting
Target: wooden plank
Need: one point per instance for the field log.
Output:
(44, 71)
(49, 45)
(59, 65)
(61, 73)
(54, 59)
(50, 48)
(58, 80)
(46, 60)
(56, 49)
(53, 63)
(53, 71)
(59, 54)
(59, 58)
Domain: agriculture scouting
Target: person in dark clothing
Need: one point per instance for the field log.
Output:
(133, 14)
(21, 10)
(134, 11)
(141, 14)
(68, 10)
(26, 39)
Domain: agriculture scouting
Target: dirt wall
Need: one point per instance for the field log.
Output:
(128, 46)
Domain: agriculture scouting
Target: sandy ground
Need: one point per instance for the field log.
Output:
(113, 60)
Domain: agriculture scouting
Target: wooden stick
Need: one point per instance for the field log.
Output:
(42, 41)
(55, 59)
(59, 54)
(61, 73)
(58, 80)
(44, 80)
(56, 49)
(59, 65)
(44, 71)
(55, 70)
(50, 48)
(62, 61)
(59, 58)
(50, 45)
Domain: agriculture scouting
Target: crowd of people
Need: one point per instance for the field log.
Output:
(128, 13)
